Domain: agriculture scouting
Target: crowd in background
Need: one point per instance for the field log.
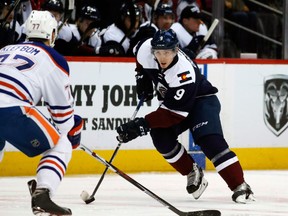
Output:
(114, 27)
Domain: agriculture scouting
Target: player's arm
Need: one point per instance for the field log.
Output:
(144, 85)
(172, 111)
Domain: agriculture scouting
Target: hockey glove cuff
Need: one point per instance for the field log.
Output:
(74, 134)
(132, 129)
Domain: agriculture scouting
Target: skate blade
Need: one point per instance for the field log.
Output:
(243, 200)
(251, 198)
(40, 212)
(202, 188)
(49, 214)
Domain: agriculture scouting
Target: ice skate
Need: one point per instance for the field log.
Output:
(243, 194)
(43, 205)
(196, 183)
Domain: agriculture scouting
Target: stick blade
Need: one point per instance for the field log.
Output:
(90, 200)
(205, 213)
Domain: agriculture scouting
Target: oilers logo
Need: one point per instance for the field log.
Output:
(276, 103)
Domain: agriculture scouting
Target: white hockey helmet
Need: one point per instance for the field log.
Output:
(41, 24)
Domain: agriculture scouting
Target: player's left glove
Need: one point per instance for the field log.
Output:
(74, 135)
(132, 129)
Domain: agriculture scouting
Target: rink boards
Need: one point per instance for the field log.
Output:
(253, 94)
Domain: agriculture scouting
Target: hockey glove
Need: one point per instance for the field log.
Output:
(195, 43)
(74, 134)
(132, 129)
(144, 87)
(207, 53)
(111, 48)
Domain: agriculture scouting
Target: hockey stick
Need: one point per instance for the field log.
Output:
(84, 195)
(9, 12)
(147, 191)
(209, 33)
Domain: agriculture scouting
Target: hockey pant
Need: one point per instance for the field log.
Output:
(27, 129)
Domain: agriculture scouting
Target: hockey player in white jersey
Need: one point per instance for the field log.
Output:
(191, 30)
(116, 38)
(31, 71)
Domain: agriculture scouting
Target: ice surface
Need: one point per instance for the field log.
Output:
(118, 197)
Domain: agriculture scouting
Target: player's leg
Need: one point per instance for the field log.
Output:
(29, 131)
(165, 141)
(209, 136)
(227, 165)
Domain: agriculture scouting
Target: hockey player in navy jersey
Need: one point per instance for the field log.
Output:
(31, 71)
(187, 101)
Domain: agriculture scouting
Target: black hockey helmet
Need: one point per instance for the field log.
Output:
(53, 5)
(131, 10)
(163, 9)
(91, 13)
(164, 39)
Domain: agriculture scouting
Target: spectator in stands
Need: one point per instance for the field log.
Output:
(191, 31)
(116, 39)
(238, 12)
(87, 31)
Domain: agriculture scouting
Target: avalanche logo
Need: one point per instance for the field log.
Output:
(276, 103)
(184, 76)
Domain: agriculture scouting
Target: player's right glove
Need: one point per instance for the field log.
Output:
(74, 134)
(132, 129)
(144, 87)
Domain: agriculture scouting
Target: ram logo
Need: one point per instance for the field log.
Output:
(276, 103)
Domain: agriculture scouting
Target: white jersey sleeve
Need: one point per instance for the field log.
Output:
(145, 57)
(183, 36)
(32, 71)
(113, 33)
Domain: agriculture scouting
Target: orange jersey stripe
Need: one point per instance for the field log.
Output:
(53, 162)
(50, 129)
(60, 114)
(15, 89)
